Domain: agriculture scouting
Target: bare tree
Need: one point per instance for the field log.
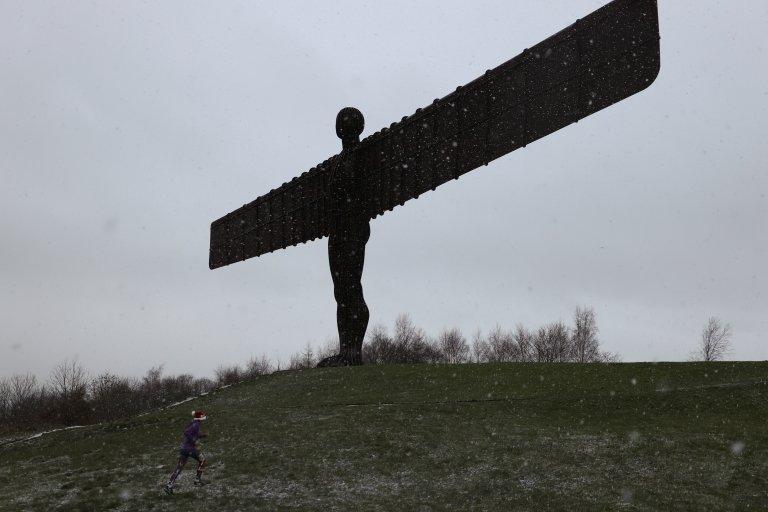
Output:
(480, 348)
(258, 366)
(584, 342)
(24, 399)
(296, 362)
(304, 359)
(453, 346)
(202, 385)
(308, 356)
(551, 343)
(151, 387)
(715, 340)
(5, 400)
(69, 385)
(539, 342)
(178, 387)
(409, 344)
(113, 397)
(502, 345)
(523, 343)
(68, 379)
(23, 389)
(228, 375)
(379, 346)
(405, 331)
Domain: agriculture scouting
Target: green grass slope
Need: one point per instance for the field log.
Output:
(667, 436)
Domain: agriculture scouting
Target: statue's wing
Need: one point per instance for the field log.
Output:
(291, 214)
(611, 54)
(600, 60)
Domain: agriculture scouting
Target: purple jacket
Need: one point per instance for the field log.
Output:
(191, 435)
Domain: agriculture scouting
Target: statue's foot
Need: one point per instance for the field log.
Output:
(332, 361)
(337, 360)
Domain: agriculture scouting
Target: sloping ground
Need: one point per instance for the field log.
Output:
(668, 436)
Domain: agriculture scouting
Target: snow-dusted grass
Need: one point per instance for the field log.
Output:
(471, 437)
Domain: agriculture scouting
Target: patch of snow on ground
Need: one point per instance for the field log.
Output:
(182, 402)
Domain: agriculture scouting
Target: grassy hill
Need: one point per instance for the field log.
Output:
(667, 436)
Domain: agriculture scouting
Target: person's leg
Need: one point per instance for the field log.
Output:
(200, 458)
(179, 466)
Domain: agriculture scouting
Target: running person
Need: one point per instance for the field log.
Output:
(188, 449)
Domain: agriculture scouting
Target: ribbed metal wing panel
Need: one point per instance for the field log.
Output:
(600, 60)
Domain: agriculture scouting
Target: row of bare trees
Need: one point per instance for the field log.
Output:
(232, 374)
(552, 343)
(555, 342)
(71, 397)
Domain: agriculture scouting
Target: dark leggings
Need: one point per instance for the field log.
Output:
(184, 455)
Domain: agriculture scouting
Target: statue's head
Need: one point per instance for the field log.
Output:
(349, 124)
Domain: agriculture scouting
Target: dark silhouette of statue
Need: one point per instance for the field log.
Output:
(349, 232)
(598, 61)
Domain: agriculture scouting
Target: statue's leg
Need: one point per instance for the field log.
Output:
(346, 255)
(339, 269)
(358, 313)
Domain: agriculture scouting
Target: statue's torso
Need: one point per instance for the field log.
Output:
(347, 204)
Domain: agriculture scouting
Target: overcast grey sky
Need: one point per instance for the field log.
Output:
(127, 127)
